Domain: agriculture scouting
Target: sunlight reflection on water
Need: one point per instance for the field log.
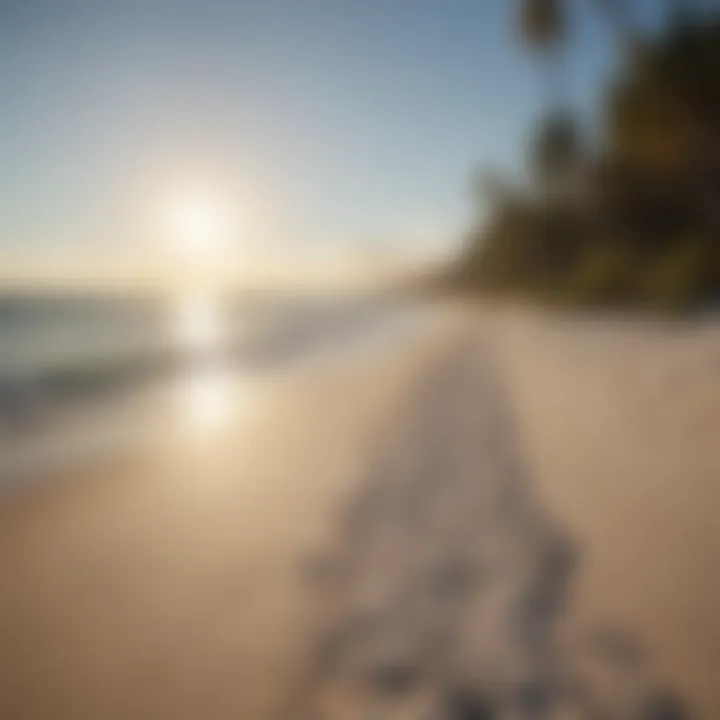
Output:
(211, 399)
(213, 394)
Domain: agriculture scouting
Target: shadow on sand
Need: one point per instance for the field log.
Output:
(445, 594)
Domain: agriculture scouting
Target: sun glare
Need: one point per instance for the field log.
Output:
(199, 228)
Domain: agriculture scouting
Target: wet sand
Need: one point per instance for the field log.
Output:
(163, 582)
(171, 581)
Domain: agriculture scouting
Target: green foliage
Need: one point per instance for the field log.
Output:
(601, 276)
(674, 278)
(637, 224)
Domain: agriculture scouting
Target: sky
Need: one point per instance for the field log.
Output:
(348, 128)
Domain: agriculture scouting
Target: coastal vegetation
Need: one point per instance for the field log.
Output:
(631, 216)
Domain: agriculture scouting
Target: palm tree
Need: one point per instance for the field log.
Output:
(554, 149)
(543, 30)
(556, 153)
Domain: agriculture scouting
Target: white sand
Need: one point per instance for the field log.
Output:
(163, 584)
(621, 425)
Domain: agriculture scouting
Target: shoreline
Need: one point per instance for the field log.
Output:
(166, 579)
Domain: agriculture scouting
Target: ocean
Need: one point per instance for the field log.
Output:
(60, 347)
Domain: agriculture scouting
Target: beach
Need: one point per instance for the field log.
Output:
(162, 579)
(169, 577)
(621, 418)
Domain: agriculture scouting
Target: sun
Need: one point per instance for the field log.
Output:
(199, 228)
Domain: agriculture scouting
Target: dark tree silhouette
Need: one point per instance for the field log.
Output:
(638, 219)
(543, 29)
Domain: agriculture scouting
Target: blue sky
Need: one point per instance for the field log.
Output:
(336, 123)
